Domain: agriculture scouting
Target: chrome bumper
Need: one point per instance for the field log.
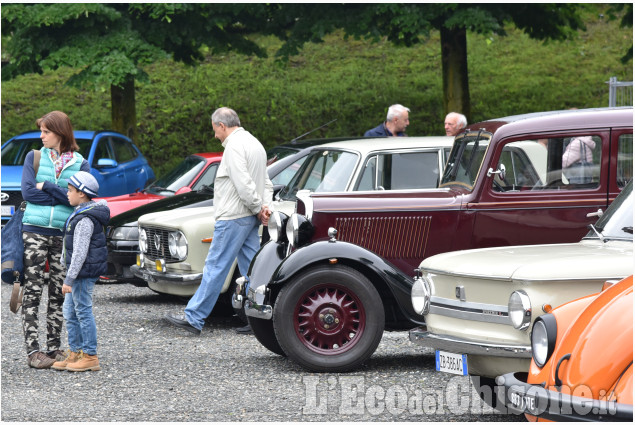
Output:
(258, 311)
(422, 337)
(155, 276)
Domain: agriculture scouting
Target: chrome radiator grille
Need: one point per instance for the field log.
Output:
(158, 245)
(389, 237)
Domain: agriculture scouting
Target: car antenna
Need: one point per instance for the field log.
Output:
(315, 129)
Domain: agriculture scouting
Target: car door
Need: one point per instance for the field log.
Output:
(543, 195)
(130, 163)
(111, 178)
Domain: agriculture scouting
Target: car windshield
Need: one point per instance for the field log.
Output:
(181, 175)
(465, 159)
(617, 222)
(322, 171)
(14, 152)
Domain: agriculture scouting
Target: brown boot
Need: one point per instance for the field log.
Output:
(72, 357)
(87, 362)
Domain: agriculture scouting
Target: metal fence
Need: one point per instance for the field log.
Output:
(620, 92)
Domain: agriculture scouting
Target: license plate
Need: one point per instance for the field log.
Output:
(523, 402)
(451, 363)
(8, 209)
(148, 277)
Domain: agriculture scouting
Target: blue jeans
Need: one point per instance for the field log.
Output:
(232, 239)
(78, 313)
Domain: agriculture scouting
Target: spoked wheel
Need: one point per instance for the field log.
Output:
(329, 319)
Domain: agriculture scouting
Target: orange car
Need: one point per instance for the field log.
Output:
(582, 365)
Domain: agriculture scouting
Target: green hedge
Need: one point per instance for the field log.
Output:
(351, 81)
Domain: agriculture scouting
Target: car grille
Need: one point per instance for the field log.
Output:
(15, 198)
(386, 236)
(158, 245)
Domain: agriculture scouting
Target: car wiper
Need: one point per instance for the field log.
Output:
(162, 189)
(599, 234)
(206, 188)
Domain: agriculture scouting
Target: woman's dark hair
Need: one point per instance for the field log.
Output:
(59, 123)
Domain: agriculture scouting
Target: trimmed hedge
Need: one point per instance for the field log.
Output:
(351, 81)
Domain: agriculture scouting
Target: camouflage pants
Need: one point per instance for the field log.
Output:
(37, 249)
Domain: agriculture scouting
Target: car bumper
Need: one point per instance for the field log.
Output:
(175, 278)
(423, 337)
(534, 400)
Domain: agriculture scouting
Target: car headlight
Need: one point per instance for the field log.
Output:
(420, 295)
(519, 308)
(125, 233)
(143, 240)
(177, 242)
(543, 338)
(299, 230)
(276, 226)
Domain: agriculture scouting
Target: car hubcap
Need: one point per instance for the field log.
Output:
(329, 319)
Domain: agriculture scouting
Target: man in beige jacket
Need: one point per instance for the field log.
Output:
(242, 193)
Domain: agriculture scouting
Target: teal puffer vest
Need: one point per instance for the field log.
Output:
(46, 215)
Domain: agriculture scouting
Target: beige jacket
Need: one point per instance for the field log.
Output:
(242, 185)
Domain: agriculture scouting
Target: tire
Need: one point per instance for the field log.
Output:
(263, 331)
(329, 319)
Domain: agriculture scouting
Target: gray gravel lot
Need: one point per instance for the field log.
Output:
(152, 371)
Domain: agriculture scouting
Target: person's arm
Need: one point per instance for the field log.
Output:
(60, 193)
(30, 192)
(81, 242)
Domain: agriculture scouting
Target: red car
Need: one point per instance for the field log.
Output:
(192, 173)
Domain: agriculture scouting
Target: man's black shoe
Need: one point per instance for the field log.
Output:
(180, 321)
(244, 330)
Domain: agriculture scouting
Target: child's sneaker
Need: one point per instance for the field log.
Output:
(72, 357)
(39, 360)
(87, 362)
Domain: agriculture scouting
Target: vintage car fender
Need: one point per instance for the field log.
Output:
(591, 364)
(271, 262)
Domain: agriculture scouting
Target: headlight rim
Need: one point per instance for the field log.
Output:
(426, 289)
(177, 242)
(525, 301)
(143, 240)
(549, 323)
(277, 223)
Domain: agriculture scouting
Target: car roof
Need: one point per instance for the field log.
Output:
(208, 155)
(79, 134)
(370, 144)
(570, 119)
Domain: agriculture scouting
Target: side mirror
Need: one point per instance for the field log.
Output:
(501, 171)
(106, 163)
(184, 189)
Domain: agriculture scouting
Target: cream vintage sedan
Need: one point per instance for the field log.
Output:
(479, 304)
(174, 244)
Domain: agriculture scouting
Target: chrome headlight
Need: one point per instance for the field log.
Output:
(125, 233)
(299, 230)
(143, 240)
(543, 338)
(519, 308)
(276, 226)
(420, 295)
(177, 242)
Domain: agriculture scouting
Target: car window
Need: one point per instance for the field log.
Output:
(322, 171)
(285, 176)
(465, 159)
(179, 176)
(124, 151)
(103, 150)
(395, 171)
(624, 160)
(84, 146)
(207, 179)
(550, 164)
(14, 152)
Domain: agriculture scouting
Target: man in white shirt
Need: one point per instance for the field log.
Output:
(242, 193)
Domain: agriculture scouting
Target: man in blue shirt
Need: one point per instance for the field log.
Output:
(395, 124)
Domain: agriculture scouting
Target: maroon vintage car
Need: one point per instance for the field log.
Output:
(339, 271)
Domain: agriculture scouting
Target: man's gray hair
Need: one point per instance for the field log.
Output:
(461, 120)
(395, 110)
(227, 116)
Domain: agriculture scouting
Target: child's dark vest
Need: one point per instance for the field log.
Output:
(95, 264)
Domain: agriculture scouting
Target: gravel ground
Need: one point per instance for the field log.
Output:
(152, 371)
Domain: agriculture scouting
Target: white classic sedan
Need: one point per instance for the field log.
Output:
(479, 304)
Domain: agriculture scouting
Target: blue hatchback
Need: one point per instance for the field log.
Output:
(114, 160)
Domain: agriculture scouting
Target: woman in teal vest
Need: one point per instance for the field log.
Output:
(47, 209)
